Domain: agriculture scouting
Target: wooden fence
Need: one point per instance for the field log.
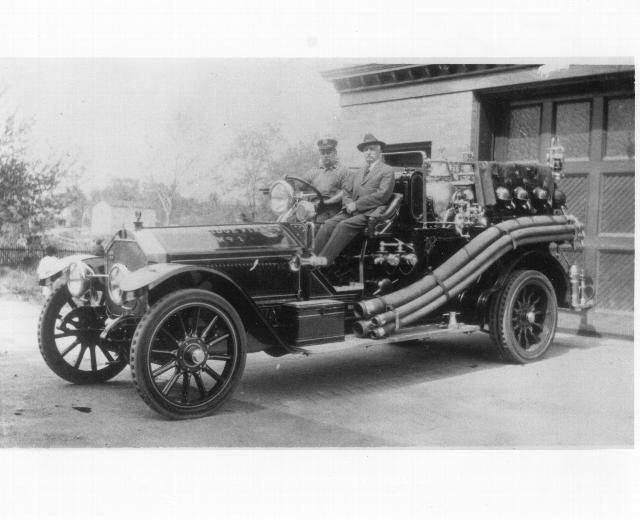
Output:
(21, 257)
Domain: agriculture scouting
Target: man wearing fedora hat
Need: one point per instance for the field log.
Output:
(328, 178)
(364, 192)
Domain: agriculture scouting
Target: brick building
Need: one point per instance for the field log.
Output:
(508, 112)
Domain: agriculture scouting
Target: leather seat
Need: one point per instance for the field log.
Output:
(381, 220)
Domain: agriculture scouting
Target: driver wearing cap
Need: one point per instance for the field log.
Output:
(328, 178)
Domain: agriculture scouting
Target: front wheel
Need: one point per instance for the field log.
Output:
(523, 317)
(188, 354)
(69, 339)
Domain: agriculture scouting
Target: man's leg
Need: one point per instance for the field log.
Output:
(343, 233)
(326, 229)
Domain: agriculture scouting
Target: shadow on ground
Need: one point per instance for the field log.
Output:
(379, 368)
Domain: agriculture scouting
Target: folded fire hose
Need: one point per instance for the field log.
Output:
(407, 305)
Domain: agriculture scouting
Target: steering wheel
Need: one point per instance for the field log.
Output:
(320, 207)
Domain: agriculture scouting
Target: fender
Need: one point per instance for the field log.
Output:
(95, 262)
(541, 260)
(152, 275)
(536, 258)
(158, 277)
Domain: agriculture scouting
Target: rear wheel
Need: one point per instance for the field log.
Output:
(188, 354)
(523, 317)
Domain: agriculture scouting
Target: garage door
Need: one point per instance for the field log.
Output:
(597, 132)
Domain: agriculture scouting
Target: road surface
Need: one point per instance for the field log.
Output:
(450, 393)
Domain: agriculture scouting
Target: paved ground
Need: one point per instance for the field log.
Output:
(451, 394)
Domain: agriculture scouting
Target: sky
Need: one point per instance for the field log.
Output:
(133, 117)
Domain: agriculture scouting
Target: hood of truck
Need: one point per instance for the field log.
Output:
(185, 243)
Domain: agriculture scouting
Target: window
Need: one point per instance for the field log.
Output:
(407, 155)
(573, 126)
(524, 133)
(620, 121)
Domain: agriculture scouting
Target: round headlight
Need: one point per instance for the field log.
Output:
(281, 195)
(115, 278)
(78, 279)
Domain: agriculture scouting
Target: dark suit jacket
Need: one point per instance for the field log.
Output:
(370, 192)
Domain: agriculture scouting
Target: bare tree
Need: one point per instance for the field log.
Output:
(296, 159)
(175, 163)
(166, 195)
(251, 156)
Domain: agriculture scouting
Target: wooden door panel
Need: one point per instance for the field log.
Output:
(617, 199)
(575, 186)
(614, 286)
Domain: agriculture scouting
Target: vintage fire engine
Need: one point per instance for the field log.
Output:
(460, 247)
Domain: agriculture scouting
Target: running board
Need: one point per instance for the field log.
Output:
(406, 334)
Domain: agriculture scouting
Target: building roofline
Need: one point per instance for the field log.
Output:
(376, 76)
(358, 70)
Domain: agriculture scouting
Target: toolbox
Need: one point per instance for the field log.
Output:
(312, 322)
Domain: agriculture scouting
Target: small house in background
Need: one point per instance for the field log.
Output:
(64, 219)
(109, 217)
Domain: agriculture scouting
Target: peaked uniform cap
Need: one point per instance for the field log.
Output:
(327, 144)
(370, 139)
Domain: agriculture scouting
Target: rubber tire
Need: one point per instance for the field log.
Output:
(51, 354)
(140, 346)
(506, 346)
